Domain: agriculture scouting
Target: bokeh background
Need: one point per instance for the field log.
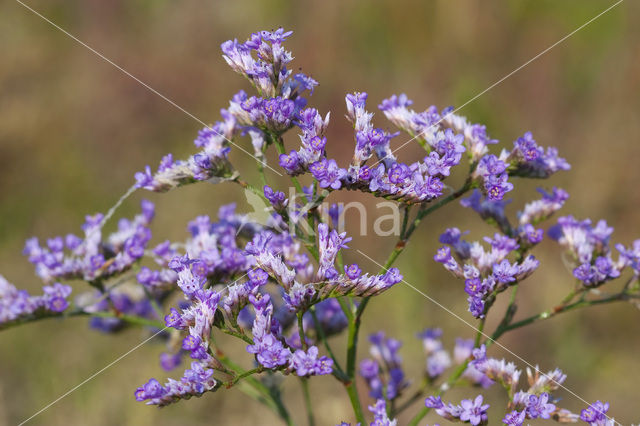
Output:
(73, 130)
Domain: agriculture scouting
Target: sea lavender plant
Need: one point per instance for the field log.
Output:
(281, 288)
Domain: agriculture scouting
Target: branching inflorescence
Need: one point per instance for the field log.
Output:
(281, 286)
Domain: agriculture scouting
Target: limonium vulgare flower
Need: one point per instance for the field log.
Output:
(281, 286)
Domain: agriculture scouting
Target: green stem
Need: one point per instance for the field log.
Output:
(243, 376)
(354, 324)
(252, 188)
(338, 371)
(307, 400)
(269, 397)
(355, 401)
(282, 410)
(130, 319)
(453, 378)
(479, 333)
(154, 303)
(233, 333)
(303, 340)
(558, 310)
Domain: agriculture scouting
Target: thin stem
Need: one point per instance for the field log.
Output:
(130, 319)
(270, 397)
(558, 310)
(303, 340)
(239, 335)
(282, 410)
(453, 378)
(479, 333)
(154, 302)
(338, 371)
(244, 375)
(307, 400)
(354, 324)
(251, 188)
(355, 401)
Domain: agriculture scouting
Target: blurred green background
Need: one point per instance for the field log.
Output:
(73, 130)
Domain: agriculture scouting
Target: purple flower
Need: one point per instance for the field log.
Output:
(305, 82)
(505, 272)
(384, 371)
(308, 363)
(515, 418)
(433, 402)
(437, 363)
(497, 186)
(399, 173)
(317, 143)
(328, 173)
(539, 406)
(526, 148)
(151, 389)
(353, 271)
(596, 413)
(170, 361)
(299, 297)
(276, 198)
(257, 277)
(474, 411)
(290, 163)
(380, 417)
(530, 234)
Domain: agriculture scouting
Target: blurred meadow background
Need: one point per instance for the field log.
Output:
(74, 130)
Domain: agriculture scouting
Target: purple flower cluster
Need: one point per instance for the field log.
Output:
(530, 406)
(131, 301)
(290, 271)
(268, 70)
(596, 414)
(590, 251)
(384, 374)
(275, 111)
(276, 198)
(491, 211)
(530, 160)
(195, 381)
(462, 352)
(438, 358)
(329, 244)
(540, 210)
(253, 281)
(16, 304)
(425, 125)
(485, 272)
(214, 244)
(380, 416)
(270, 349)
(331, 320)
(416, 182)
(472, 411)
(91, 258)
(275, 115)
(534, 403)
(493, 174)
(311, 154)
(210, 162)
(501, 371)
